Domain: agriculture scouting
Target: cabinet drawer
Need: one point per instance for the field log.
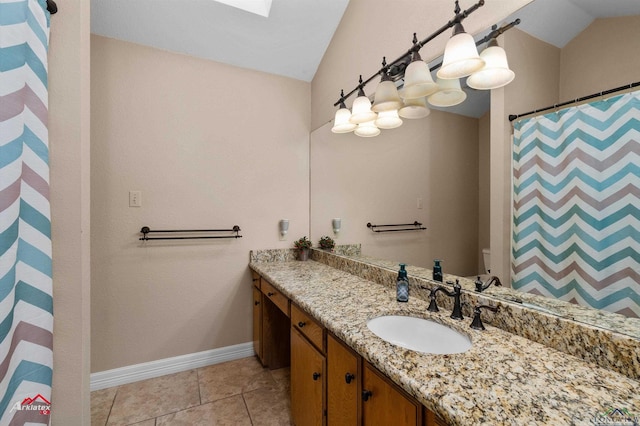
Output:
(278, 299)
(311, 329)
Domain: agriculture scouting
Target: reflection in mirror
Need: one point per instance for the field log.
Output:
(436, 170)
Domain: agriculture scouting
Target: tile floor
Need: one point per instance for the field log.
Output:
(233, 393)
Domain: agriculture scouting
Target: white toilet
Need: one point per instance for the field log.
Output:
(486, 257)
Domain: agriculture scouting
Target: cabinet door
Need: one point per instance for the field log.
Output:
(343, 384)
(257, 324)
(385, 404)
(307, 382)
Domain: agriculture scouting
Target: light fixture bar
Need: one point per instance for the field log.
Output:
(459, 17)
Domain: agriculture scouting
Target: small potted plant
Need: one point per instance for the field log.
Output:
(303, 245)
(327, 243)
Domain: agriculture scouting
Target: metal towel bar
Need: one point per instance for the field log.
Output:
(417, 226)
(146, 230)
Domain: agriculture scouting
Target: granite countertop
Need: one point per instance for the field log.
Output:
(503, 379)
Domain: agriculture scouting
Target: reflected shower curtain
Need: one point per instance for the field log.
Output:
(26, 305)
(576, 207)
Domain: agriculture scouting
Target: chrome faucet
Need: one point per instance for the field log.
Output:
(457, 306)
(480, 286)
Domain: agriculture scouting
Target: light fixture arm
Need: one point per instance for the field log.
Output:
(417, 45)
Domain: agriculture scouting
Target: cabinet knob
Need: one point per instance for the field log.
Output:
(316, 376)
(255, 302)
(366, 394)
(270, 294)
(349, 377)
(301, 324)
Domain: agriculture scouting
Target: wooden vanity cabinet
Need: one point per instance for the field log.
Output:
(270, 324)
(384, 403)
(343, 384)
(308, 370)
(257, 323)
(328, 379)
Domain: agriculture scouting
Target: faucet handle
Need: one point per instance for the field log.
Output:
(478, 282)
(476, 324)
(433, 306)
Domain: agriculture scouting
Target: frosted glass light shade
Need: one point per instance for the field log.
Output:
(495, 73)
(418, 81)
(414, 108)
(341, 123)
(388, 119)
(367, 129)
(460, 57)
(449, 93)
(386, 97)
(361, 111)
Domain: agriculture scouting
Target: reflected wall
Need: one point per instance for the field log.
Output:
(426, 170)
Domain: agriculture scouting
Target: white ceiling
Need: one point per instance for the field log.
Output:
(558, 21)
(292, 40)
(289, 42)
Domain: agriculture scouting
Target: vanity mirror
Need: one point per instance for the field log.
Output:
(436, 171)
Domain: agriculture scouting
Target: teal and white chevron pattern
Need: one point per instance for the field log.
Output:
(26, 304)
(576, 207)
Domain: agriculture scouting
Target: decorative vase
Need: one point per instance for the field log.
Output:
(303, 254)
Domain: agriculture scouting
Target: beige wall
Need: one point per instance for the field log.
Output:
(379, 180)
(69, 162)
(210, 146)
(484, 168)
(604, 56)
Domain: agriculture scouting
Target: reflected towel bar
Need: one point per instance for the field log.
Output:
(417, 227)
(145, 231)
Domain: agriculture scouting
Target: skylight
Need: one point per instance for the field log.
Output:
(259, 7)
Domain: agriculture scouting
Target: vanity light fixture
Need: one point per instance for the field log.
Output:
(461, 56)
(367, 129)
(449, 93)
(388, 119)
(361, 110)
(284, 227)
(414, 108)
(408, 98)
(418, 82)
(386, 97)
(341, 123)
(496, 72)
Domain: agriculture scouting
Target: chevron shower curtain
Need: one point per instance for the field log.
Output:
(26, 314)
(576, 207)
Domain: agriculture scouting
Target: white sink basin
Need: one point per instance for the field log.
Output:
(419, 334)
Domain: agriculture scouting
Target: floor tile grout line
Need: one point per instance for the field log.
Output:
(247, 408)
(113, 401)
(199, 391)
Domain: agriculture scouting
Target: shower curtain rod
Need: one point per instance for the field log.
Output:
(52, 7)
(584, 98)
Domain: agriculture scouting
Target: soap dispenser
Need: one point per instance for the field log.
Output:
(437, 270)
(402, 285)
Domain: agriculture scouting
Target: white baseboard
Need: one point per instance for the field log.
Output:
(148, 370)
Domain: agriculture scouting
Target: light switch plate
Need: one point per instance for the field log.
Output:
(135, 198)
